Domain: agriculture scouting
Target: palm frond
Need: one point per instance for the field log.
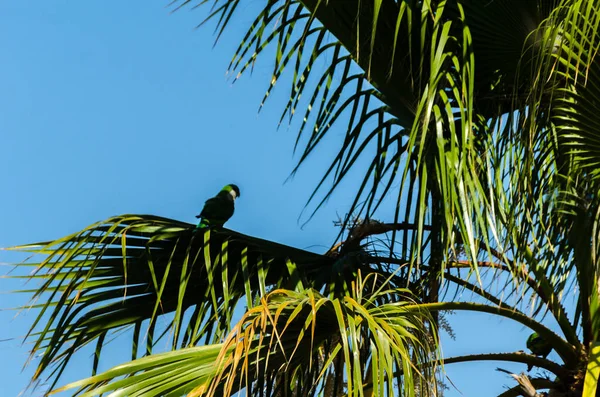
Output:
(410, 109)
(299, 343)
(174, 373)
(552, 207)
(127, 271)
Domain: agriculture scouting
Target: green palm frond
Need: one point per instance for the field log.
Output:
(297, 343)
(531, 180)
(403, 74)
(553, 204)
(410, 109)
(573, 46)
(418, 111)
(174, 373)
(127, 271)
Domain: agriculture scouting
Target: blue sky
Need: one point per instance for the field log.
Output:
(113, 107)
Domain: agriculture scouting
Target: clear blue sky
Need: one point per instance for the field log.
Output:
(111, 107)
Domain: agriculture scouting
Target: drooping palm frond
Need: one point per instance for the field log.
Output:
(129, 270)
(573, 47)
(571, 43)
(419, 59)
(403, 74)
(328, 342)
(342, 88)
(300, 344)
(545, 198)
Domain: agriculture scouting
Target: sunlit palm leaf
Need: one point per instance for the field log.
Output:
(174, 374)
(298, 343)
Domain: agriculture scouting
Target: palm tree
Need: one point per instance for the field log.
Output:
(477, 118)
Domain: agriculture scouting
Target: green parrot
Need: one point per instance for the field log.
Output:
(219, 209)
(538, 346)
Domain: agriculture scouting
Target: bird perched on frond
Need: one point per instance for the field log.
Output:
(219, 209)
(538, 346)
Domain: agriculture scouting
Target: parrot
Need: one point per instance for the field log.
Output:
(538, 346)
(219, 209)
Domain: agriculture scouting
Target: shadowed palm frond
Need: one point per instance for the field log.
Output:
(129, 270)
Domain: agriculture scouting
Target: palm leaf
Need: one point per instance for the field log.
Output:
(173, 373)
(129, 270)
(299, 343)
(556, 195)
